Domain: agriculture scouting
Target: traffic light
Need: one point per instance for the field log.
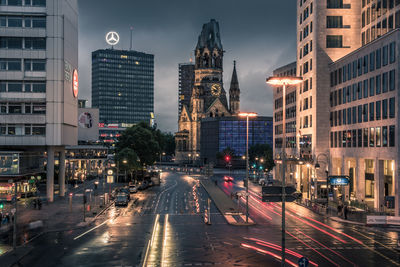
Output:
(1, 205)
(227, 158)
(261, 167)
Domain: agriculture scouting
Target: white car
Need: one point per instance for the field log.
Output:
(133, 189)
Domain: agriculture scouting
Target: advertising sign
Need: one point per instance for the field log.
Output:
(75, 83)
(85, 120)
(338, 180)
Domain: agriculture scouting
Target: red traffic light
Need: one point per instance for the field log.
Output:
(227, 158)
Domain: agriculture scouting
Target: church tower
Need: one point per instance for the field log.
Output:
(208, 97)
(234, 92)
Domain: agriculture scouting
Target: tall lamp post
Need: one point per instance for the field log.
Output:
(284, 82)
(247, 115)
(317, 166)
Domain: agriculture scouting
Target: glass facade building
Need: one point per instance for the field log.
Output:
(220, 133)
(123, 85)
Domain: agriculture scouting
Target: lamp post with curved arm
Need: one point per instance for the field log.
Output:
(284, 82)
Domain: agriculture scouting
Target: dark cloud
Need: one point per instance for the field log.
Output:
(259, 34)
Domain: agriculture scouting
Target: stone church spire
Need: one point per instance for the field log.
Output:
(234, 92)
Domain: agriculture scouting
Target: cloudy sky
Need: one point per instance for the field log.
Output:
(259, 34)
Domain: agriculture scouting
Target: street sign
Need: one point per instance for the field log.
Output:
(339, 180)
(266, 190)
(303, 262)
(278, 198)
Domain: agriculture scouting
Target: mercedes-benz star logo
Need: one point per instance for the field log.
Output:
(112, 38)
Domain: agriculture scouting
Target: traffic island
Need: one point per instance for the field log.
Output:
(226, 206)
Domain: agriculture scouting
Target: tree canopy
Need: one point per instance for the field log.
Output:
(262, 151)
(141, 139)
(127, 159)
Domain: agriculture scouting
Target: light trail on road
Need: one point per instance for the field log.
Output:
(268, 253)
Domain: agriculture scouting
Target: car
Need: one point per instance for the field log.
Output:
(133, 189)
(228, 178)
(143, 185)
(262, 182)
(121, 200)
(125, 191)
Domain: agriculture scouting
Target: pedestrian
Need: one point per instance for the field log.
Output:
(39, 204)
(339, 210)
(34, 203)
(346, 209)
(7, 218)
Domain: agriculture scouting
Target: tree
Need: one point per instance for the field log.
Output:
(262, 151)
(141, 139)
(127, 159)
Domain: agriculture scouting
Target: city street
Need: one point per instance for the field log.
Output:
(163, 228)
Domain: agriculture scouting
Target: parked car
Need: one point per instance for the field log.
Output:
(144, 185)
(133, 189)
(126, 191)
(121, 200)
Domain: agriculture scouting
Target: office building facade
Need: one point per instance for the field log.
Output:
(186, 83)
(220, 133)
(38, 86)
(346, 114)
(123, 85)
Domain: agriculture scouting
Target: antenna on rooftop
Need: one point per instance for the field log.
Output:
(131, 29)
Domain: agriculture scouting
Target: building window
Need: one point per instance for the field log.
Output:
(359, 114)
(385, 82)
(334, 4)
(334, 22)
(365, 89)
(365, 137)
(372, 61)
(365, 113)
(378, 136)
(349, 116)
(385, 55)
(392, 107)
(384, 136)
(392, 80)
(11, 42)
(378, 58)
(35, 65)
(372, 86)
(391, 136)
(371, 137)
(359, 137)
(10, 65)
(392, 52)
(378, 84)
(384, 109)
(334, 41)
(371, 111)
(359, 90)
(378, 110)
(35, 43)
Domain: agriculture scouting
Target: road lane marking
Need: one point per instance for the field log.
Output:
(88, 231)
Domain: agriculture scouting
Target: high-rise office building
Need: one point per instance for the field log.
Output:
(38, 87)
(186, 83)
(347, 115)
(123, 86)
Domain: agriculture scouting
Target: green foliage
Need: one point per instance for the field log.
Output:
(262, 151)
(127, 159)
(141, 139)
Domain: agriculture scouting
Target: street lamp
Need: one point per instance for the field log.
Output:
(283, 81)
(247, 115)
(317, 166)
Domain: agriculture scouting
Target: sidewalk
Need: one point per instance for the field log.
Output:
(56, 216)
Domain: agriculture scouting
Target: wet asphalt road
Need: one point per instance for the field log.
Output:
(165, 228)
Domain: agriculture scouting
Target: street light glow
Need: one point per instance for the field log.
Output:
(279, 81)
(247, 114)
